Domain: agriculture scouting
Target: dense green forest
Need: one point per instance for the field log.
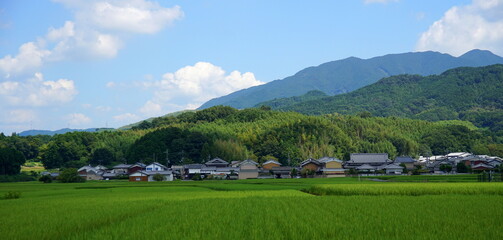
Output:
(471, 94)
(257, 133)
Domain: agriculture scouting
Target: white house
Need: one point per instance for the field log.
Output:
(155, 166)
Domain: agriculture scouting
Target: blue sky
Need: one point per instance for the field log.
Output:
(98, 63)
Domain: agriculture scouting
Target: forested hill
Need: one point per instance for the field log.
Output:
(349, 74)
(255, 133)
(473, 94)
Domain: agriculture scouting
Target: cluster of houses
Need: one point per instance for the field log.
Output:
(362, 163)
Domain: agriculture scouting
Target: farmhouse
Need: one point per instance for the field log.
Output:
(311, 164)
(393, 169)
(331, 167)
(371, 159)
(406, 160)
(248, 169)
(216, 162)
(270, 164)
(155, 166)
(121, 168)
(90, 173)
(144, 176)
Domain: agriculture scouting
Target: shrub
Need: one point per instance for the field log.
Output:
(197, 177)
(70, 175)
(45, 179)
(158, 177)
(12, 195)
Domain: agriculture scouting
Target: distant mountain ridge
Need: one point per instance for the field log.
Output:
(349, 74)
(60, 131)
(467, 93)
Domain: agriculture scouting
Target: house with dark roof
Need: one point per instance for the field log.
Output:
(393, 169)
(372, 159)
(406, 160)
(217, 162)
(311, 164)
(121, 168)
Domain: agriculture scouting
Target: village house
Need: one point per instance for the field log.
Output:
(393, 169)
(121, 168)
(311, 164)
(376, 160)
(148, 176)
(247, 169)
(331, 167)
(405, 160)
(268, 165)
(155, 166)
(90, 173)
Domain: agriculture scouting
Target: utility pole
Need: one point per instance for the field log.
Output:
(167, 158)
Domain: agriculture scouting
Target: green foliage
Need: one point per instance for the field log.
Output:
(45, 178)
(12, 195)
(471, 94)
(158, 177)
(461, 168)
(10, 161)
(102, 156)
(445, 168)
(70, 175)
(197, 177)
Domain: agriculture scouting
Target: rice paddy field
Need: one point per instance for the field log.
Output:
(341, 208)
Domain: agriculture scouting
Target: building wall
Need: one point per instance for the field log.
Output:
(248, 167)
(248, 174)
(333, 165)
(138, 178)
(269, 166)
(311, 166)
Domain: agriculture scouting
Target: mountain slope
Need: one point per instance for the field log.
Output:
(466, 93)
(349, 74)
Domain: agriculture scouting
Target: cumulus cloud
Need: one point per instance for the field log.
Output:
(36, 92)
(77, 119)
(96, 32)
(463, 28)
(151, 109)
(30, 57)
(191, 86)
(126, 118)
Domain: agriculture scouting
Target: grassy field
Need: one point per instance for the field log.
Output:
(253, 209)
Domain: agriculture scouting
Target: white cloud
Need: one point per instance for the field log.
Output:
(191, 86)
(97, 32)
(379, 1)
(126, 117)
(37, 92)
(463, 28)
(151, 109)
(30, 57)
(78, 119)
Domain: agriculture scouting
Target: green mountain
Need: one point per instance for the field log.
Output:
(473, 94)
(349, 74)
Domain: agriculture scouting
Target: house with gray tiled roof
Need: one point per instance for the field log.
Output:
(371, 159)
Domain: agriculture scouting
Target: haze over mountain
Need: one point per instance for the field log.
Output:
(60, 131)
(349, 74)
(466, 93)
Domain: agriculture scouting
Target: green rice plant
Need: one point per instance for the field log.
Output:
(12, 195)
(407, 189)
